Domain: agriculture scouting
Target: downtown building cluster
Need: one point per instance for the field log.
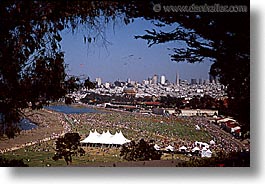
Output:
(157, 88)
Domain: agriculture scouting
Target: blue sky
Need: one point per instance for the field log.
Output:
(125, 57)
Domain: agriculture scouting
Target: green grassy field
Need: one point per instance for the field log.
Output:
(41, 156)
(133, 126)
(138, 126)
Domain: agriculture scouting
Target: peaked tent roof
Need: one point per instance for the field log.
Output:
(106, 138)
(92, 137)
(119, 138)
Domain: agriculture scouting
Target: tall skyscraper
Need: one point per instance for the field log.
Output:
(150, 80)
(145, 82)
(107, 85)
(98, 80)
(155, 79)
(200, 81)
(177, 79)
(193, 81)
(163, 79)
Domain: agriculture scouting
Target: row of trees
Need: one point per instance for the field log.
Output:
(74, 84)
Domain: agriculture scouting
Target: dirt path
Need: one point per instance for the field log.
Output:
(50, 126)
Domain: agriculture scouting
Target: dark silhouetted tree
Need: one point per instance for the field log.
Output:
(71, 84)
(140, 151)
(67, 147)
(88, 84)
(32, 69)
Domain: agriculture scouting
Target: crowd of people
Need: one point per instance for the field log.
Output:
(163, 131)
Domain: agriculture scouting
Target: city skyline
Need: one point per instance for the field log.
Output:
(162, 79)
(125, 57)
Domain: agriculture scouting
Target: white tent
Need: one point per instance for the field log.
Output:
(119, 139)
(195, 149)
(197, 127)
(169, 148)
(183, 148)
(87, 138)
(91, 138)
(212, 142)
(106, 138)
(156, 147)
(215, 117)
(203, 153)
(96, 133)
(201, 144)
(208, 154)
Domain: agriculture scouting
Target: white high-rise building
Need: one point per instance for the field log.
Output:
(99, 81)
(163, 79)
(145, 82)
(107, 85)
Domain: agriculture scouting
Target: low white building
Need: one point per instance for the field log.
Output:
(198, 112)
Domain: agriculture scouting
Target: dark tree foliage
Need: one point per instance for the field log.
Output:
(172, 102)
(71, 84)
(12, 163)
(32, 69)
(233, 159)
(68, 146)
(222, 37)
(88, 84)
(205, 102)
(140, 151)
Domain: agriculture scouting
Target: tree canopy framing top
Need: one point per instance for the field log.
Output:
(32, 69)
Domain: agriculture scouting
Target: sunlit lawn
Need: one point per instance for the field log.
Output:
(38, 156)
(35, 158)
